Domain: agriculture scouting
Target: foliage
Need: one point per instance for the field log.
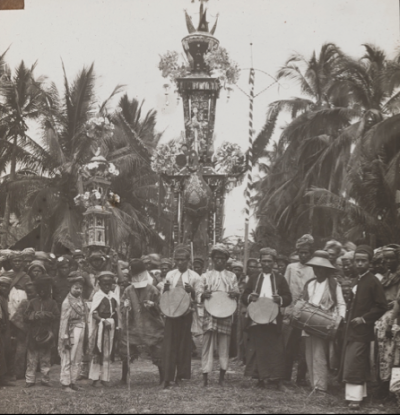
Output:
(222, 66)
(229, 159)
(219, 65)
(332, 170)
(163, 160)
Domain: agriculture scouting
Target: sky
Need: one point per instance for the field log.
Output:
(125, 38)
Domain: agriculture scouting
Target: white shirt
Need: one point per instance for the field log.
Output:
(316, 291)
(266, 287)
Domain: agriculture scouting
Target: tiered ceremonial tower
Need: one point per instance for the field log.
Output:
(199, 190)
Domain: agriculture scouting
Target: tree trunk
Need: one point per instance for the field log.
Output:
(7, 211)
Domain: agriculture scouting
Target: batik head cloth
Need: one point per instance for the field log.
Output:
(306, 241)
(268, 251)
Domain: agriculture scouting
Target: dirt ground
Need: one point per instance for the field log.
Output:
(238, 396)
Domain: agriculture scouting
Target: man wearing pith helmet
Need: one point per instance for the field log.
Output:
(325, 293)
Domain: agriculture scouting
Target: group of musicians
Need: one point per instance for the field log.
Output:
(280, 310)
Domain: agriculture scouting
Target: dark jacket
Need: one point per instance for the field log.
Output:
(370, 304)
(282, 289)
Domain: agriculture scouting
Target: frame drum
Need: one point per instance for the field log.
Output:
(175, 302)
(263, 311)
(220, 305)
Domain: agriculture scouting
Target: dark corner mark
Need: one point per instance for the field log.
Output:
(12, 4)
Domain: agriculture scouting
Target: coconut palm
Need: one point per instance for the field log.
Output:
(133, 143)
(317, 144)
(21, 102)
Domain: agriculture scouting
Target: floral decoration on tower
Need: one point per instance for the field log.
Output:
(98, 127)
(229, 159)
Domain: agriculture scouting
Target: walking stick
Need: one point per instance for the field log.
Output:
(128, 351)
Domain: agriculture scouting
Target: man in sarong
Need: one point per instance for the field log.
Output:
(198, 265)
(252, 272)
(368, 306)
(21, 332)
(142, 324)
(198, 314)
(265, 352)
(5, 284)
(165, 268)
(41, 316)
(73, 334)
(17, 295)
(28, 255)
(61, 286)
(391, 287)
(103, 324)
(282, 262)
(325, 293)
(297, 275)
(237, 269)
(217, 332)
(177, 346)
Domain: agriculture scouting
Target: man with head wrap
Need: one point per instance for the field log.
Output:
(384, 326)
(252, 272)
(5, 284)
(334, 249)
(103, 326)
(217, 332)
(73, 333)
(297, 275)
(17, 295)
(265, 358)
(28, 255)
(141, 319)
(368, 305)
(177, 346)
(42, 317)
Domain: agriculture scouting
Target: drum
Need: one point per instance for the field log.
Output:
(175, 302)
(263, 311)
(314, 321)
(220, 305)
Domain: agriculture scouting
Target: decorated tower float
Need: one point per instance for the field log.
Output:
(95, 196)
(197, 178)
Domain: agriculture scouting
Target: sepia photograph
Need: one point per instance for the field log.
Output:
(199, 206)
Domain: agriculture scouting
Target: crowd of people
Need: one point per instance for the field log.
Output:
(80, 311)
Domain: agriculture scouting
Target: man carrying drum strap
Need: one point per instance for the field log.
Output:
(265, 358)
(217, 331)
(325, 293)
(177, 346)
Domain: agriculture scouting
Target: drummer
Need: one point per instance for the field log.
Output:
(177, 346)
(297, 274)
(265, 355)
(217, 332)
(325, 293)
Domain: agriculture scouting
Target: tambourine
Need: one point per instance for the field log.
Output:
(263, 311)
(220, 305)
(175, 302)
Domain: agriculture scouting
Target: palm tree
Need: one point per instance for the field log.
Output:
(134, 141)
(21, 102)
(315, 149)
(66, 147)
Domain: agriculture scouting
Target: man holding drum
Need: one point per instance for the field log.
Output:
(325, 293)
(177, 346)
(217, 325)
(296, 275)
(265, 295)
